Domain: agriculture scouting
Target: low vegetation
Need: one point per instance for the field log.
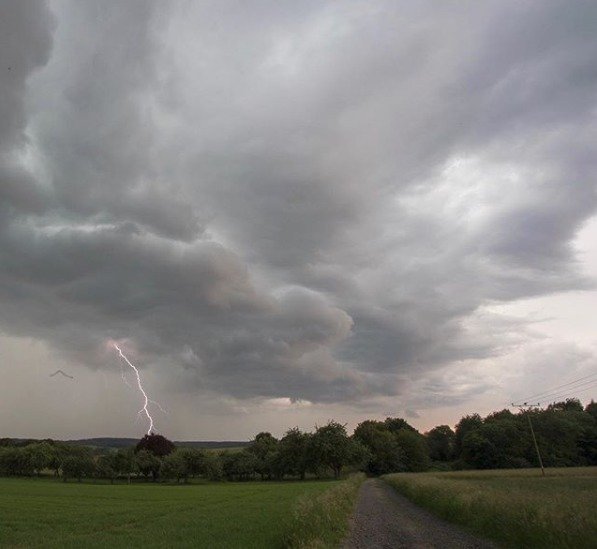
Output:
(322, 521)
(42, 513)
(518, 508)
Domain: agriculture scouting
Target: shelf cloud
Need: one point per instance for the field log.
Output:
(301, 202)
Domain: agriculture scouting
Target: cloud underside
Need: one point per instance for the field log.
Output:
(307, 201)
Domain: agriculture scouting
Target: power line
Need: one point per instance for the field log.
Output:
(571, 391)
(570, 394)
(555, 389)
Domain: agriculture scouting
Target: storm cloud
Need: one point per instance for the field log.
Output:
(308, 201)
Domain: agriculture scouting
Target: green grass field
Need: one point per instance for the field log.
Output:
(518, 508)
(49, 513)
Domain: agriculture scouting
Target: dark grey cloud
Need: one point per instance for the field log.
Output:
(309, 201)
(25, 45)
(26, 41)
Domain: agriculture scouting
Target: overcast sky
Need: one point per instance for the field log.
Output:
(288, 212)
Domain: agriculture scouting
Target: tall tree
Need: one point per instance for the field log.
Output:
(265, 449)
(416, 451)
(466, 425)
(442, 443)
(174, 465)
(386, 454)
(331, 447)
(294, 452)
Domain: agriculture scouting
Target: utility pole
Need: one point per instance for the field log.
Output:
(525, 408)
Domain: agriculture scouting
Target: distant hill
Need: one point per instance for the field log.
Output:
(107, 442)
(110, 442)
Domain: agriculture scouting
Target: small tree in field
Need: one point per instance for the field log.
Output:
(194, 460)
(175, 465)
(40, 456)
(126, 464)
(106, 467)
(77, 466)
(148, 464)
(213, 467)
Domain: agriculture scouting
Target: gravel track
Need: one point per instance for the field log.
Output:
(385, 519)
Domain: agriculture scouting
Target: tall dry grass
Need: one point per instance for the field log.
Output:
(321, 521)
(517, 508)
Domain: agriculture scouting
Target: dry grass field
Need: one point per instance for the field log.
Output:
(518, 508)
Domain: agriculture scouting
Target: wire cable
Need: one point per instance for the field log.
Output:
(569, 394)
(555, 389)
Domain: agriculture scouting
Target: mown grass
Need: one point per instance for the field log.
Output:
(322, 521)
(518, 508)
(49, 513)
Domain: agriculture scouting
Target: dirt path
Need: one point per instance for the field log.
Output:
(385, 519)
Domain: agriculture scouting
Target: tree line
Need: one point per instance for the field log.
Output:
(566, 436)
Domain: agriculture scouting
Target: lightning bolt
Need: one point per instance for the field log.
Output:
(146, 399)
(123, 376)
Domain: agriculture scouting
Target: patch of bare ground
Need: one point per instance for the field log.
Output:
(385, 519)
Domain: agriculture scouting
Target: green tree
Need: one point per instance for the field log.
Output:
(476, 450)
(510, 440)
(416, 451)
(442, 442)
(15, 461)
(77, 465)
(148, 464)
(385, 453)
(591, 409)
(174, 465)
(568, 405)
(194, 460)
(265, 448)
(465, 425)
(40, 455)
(60, 452)
(331, 447)
(107, 466)
(213, 466)
(559, 432)
(241, 465)
(397, 424)
(294, 453)
(126, 463)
